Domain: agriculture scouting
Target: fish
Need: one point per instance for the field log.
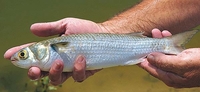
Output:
(101, 50)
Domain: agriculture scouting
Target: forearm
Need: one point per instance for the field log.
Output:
(172, 15)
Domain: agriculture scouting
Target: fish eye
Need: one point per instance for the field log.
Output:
(23, 54)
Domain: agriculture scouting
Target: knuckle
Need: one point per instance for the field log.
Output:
(79, 78)
(183, 59)
(54, 79)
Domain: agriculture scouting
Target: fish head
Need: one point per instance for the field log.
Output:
(35, 55)
(23, 58)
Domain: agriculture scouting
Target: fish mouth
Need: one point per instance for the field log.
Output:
(13, 59)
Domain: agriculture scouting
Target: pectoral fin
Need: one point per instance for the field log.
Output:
(60, 47)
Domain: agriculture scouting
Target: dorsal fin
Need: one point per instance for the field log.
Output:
(138, 34)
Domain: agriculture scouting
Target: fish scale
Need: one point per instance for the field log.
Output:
(100, 50)
(111, 52)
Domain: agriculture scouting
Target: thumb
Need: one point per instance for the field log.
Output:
(48, 28)
(162, 61)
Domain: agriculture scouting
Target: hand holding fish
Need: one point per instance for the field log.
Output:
(69, 26)
(78, 26)
(180, 71)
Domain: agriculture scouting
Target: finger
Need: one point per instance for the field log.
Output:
(91, 72)
(79, 69)
(149, 68)
(48, 29)
(164, 62)
(168, 78)
(34, 73)
(156, 33)
(166, 33)
(8, 54)
(55, 73)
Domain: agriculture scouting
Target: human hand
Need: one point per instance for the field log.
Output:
(65, 26)
(179, 71)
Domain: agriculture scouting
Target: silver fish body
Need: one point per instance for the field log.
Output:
(100, 50)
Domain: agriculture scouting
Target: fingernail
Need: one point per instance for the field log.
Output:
(80, 59)
(32, 73)
(150, 57)
(58, 66)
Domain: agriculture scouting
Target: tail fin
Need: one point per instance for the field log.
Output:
(181, 39)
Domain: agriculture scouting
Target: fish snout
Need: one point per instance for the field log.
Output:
(13, 59)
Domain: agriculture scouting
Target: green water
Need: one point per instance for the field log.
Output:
(16, 16)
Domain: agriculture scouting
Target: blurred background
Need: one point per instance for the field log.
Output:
(16, 16)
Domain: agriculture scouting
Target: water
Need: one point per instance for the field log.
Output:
(16, 18)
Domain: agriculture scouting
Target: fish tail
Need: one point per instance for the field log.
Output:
(179, 40)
